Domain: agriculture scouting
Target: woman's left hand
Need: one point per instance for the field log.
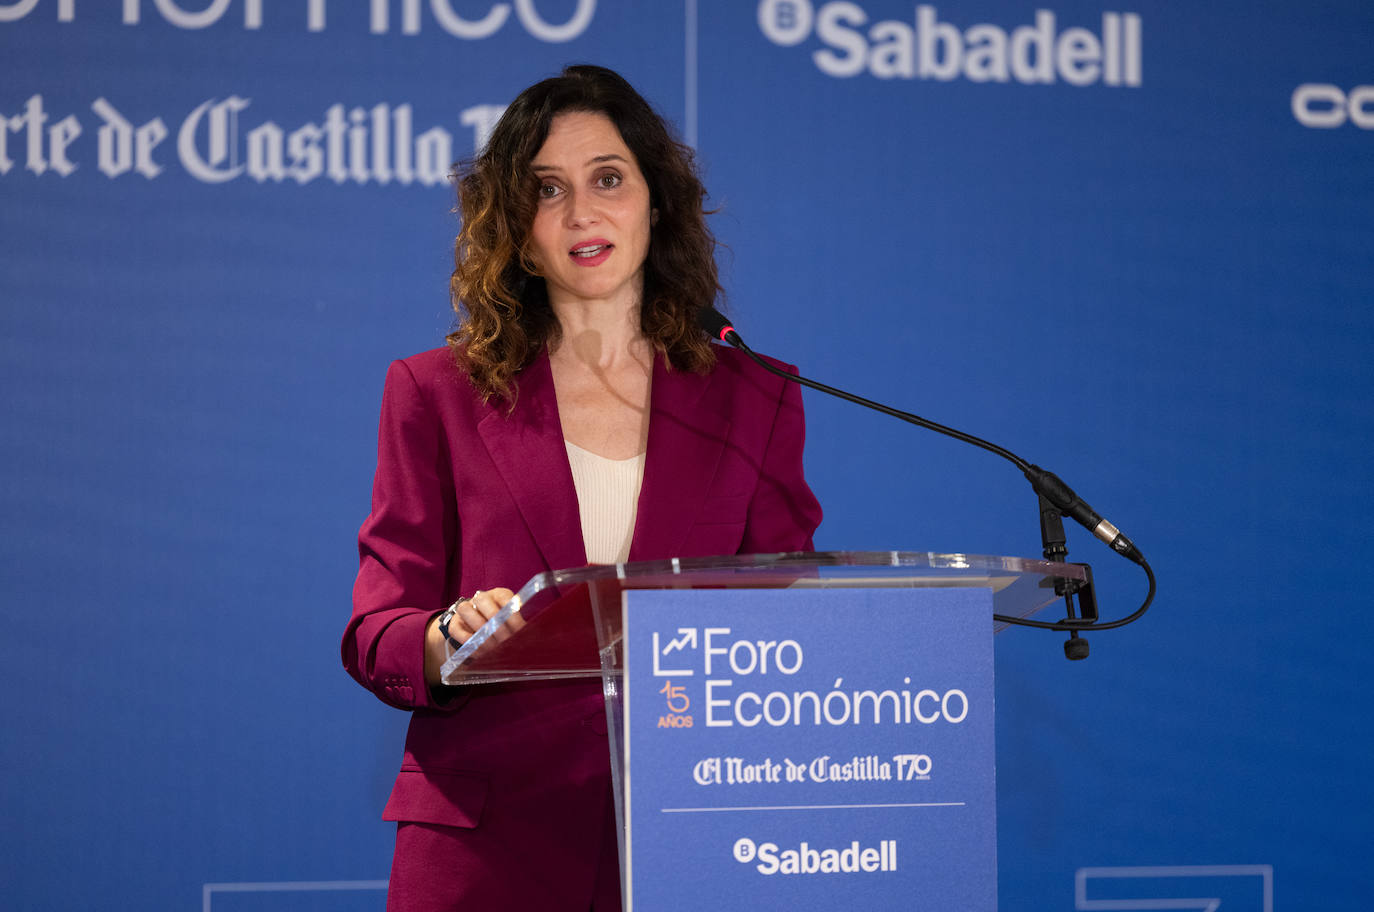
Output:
(471, 614)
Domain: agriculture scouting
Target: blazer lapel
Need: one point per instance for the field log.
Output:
(528, 450)
(686, 437)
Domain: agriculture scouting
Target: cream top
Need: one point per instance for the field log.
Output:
(607, 497)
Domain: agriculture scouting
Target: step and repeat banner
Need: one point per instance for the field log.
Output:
(1133, 242)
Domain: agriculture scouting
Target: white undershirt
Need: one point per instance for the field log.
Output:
(607, 497)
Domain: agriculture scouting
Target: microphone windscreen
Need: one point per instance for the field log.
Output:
(714, 322)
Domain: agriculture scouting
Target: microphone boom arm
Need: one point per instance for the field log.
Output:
(1056, 499)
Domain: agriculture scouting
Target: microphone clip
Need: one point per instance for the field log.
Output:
(1080, 601)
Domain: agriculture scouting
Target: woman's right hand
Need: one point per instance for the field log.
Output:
(472, 613)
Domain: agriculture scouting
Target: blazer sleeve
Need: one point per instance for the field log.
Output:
(783, 513)
(405, 548)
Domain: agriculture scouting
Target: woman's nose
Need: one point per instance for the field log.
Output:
(581, 209)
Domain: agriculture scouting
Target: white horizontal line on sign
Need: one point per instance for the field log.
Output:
(812, 807)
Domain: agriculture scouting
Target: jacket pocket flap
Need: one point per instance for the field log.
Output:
(445, 798)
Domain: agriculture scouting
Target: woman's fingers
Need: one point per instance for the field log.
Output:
(468, 617)
(479, 608)
(499, 597)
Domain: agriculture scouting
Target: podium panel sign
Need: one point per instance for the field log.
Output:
(817, 749)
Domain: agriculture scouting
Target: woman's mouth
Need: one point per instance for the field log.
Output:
(591, 253)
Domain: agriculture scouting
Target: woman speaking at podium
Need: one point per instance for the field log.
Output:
(578, 415)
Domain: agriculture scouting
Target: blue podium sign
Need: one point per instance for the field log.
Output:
(810, 749)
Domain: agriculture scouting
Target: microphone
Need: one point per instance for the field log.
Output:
(1045, 483)
(717, 325)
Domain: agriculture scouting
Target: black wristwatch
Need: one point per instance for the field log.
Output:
(443, 625)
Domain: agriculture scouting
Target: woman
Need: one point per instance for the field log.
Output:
(578, 415)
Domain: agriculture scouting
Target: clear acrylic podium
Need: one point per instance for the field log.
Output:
(570, 621)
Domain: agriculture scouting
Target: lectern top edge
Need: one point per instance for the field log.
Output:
(1021, 587)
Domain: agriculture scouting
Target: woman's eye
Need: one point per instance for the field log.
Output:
(608, 181)
(548, 191)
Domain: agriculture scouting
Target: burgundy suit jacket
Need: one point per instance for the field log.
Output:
(469, 497)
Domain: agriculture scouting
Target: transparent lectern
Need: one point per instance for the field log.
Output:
(568, 623)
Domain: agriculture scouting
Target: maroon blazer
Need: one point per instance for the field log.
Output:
(469, 497)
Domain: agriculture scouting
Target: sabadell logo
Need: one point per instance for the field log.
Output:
(927, 47)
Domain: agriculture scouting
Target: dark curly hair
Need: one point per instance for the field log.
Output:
(504, 317)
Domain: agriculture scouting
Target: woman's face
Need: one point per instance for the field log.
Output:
(591, 227)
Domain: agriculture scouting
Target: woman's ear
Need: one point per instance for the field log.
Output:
(653, 217)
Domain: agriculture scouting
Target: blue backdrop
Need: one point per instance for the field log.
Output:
(1133, 243)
